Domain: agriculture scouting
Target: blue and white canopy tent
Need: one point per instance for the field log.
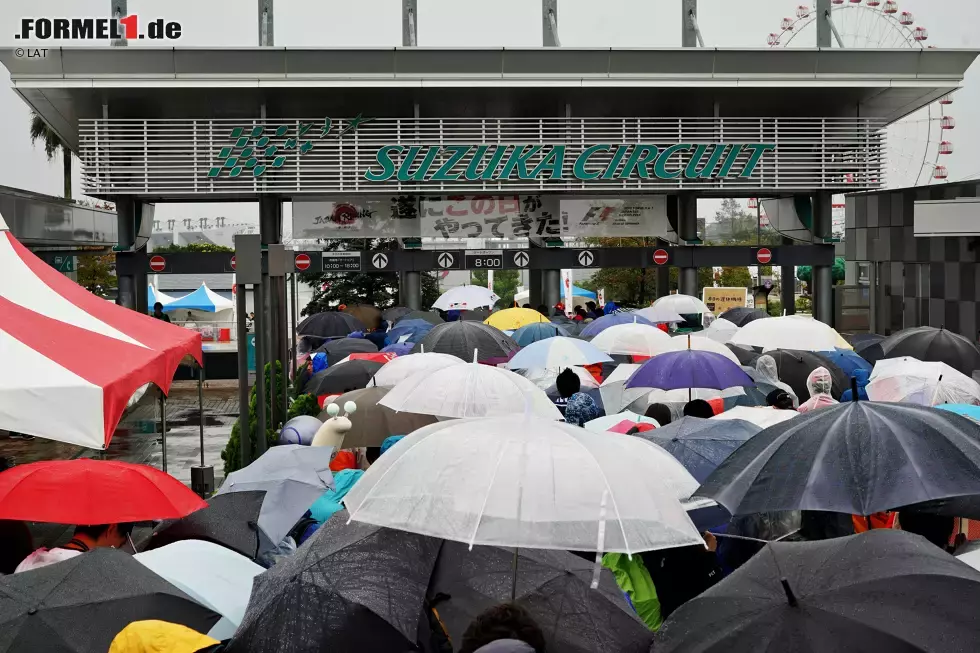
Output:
(153, 296)
(203, 299)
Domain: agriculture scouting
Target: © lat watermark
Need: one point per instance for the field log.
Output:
(98, 29)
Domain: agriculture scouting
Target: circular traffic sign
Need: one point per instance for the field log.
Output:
(302, 261)
(660, 256)
(157, 263)
(764, 255)
(232, 262)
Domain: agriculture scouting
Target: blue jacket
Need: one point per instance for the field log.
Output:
(862, 382)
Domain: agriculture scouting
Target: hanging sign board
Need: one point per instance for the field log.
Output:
(720, 300)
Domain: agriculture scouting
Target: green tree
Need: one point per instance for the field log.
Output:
(505, 284)
(735, 278)
(40, 130)
(232, 452)
(805, 273)
(376, 289)
(202, 248)
(97, 273)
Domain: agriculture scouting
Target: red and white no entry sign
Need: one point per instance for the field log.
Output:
(302, 261)
(660, 256)
(232, 262)
(157, 263)
(764, 255)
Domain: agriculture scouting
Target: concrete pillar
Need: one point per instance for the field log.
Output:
(412, 285)
(824, 34)
(787, 288)
(663, 273)
(689, 36)
(410, 23)
(823, 283)
(551, 287)
(536, 297)
(270, 231)
(687, 230)
(266, 24)
(549, 24)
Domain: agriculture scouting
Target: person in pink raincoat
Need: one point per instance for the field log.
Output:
(818, 383)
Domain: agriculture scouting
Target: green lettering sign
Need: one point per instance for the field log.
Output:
(483, 162)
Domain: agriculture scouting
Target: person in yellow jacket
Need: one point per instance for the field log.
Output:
(160, 637)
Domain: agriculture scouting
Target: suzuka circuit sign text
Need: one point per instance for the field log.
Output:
(408, 163)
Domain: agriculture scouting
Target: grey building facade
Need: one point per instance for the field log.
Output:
(914, 281)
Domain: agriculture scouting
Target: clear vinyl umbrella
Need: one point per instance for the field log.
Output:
(790, 332)
(721, 330)
(910, 380)
(466, 297)
(700, 343)
(633, 340)
(684, 304)
(527, 482)
(470, 390)
(557, 353)
(402, 367)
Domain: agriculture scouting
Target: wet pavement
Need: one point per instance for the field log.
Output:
(137, 440)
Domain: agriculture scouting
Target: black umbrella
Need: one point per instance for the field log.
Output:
(338, 350)
(332, 324)
(349, 589)
(460, 339)
(884, 590)
(932, 344)
(230, 520)
(553, 586)
(428, 316)
(859, 457)
(342, 377)
(795, 366)
(82, 603)
(395, 313)
(863, 339)
(745, 355)
(701, 444)
(742, 315)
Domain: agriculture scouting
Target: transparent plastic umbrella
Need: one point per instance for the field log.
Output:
(546, 378)
(762, 417)
(660, 314)
(790, 332)
(721, 330)
(701, 343)
(401, 368)
(633, 340)
(685, 304)
(913, 381)
(526, 482)
(466, 297)
(470, 390)
(557, 353)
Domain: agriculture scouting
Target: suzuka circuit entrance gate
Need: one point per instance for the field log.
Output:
(527, 145)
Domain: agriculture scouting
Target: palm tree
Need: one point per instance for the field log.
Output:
(52, 143)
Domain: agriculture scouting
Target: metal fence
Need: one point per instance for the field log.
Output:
(187, 157)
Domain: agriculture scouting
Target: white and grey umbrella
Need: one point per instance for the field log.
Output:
(293, 476)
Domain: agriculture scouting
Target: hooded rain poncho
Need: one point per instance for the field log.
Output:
(819, 383)
(767, 372)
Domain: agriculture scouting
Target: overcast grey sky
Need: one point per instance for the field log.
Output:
(621, 23)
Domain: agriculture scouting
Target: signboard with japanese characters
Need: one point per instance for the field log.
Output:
(720, 300)
(485, 216)
(617, 217)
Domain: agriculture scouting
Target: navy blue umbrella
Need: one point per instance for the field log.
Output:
(599, 325)
(847, 360)
(538, 331)
(701, 444)
(415, 329)
(688, 368)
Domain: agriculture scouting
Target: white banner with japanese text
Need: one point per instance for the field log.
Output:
(481, 216)
(357, 216)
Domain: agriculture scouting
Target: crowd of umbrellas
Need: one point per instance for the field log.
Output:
(489, 495)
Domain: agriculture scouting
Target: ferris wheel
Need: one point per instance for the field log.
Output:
(919, 144)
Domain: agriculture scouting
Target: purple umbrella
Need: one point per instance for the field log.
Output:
(399, 348)
(688, 368)
(601, 324)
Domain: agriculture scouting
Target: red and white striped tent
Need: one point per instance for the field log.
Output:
(69, 360)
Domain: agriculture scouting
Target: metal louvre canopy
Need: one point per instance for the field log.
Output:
(154, 158)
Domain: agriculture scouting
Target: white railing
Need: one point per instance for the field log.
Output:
(160, 157)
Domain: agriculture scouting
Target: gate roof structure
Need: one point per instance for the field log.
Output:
(73, 84)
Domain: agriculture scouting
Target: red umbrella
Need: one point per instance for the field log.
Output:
(91, 492)
(377, 357)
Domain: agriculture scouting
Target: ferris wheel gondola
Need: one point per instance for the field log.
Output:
(919, 145)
